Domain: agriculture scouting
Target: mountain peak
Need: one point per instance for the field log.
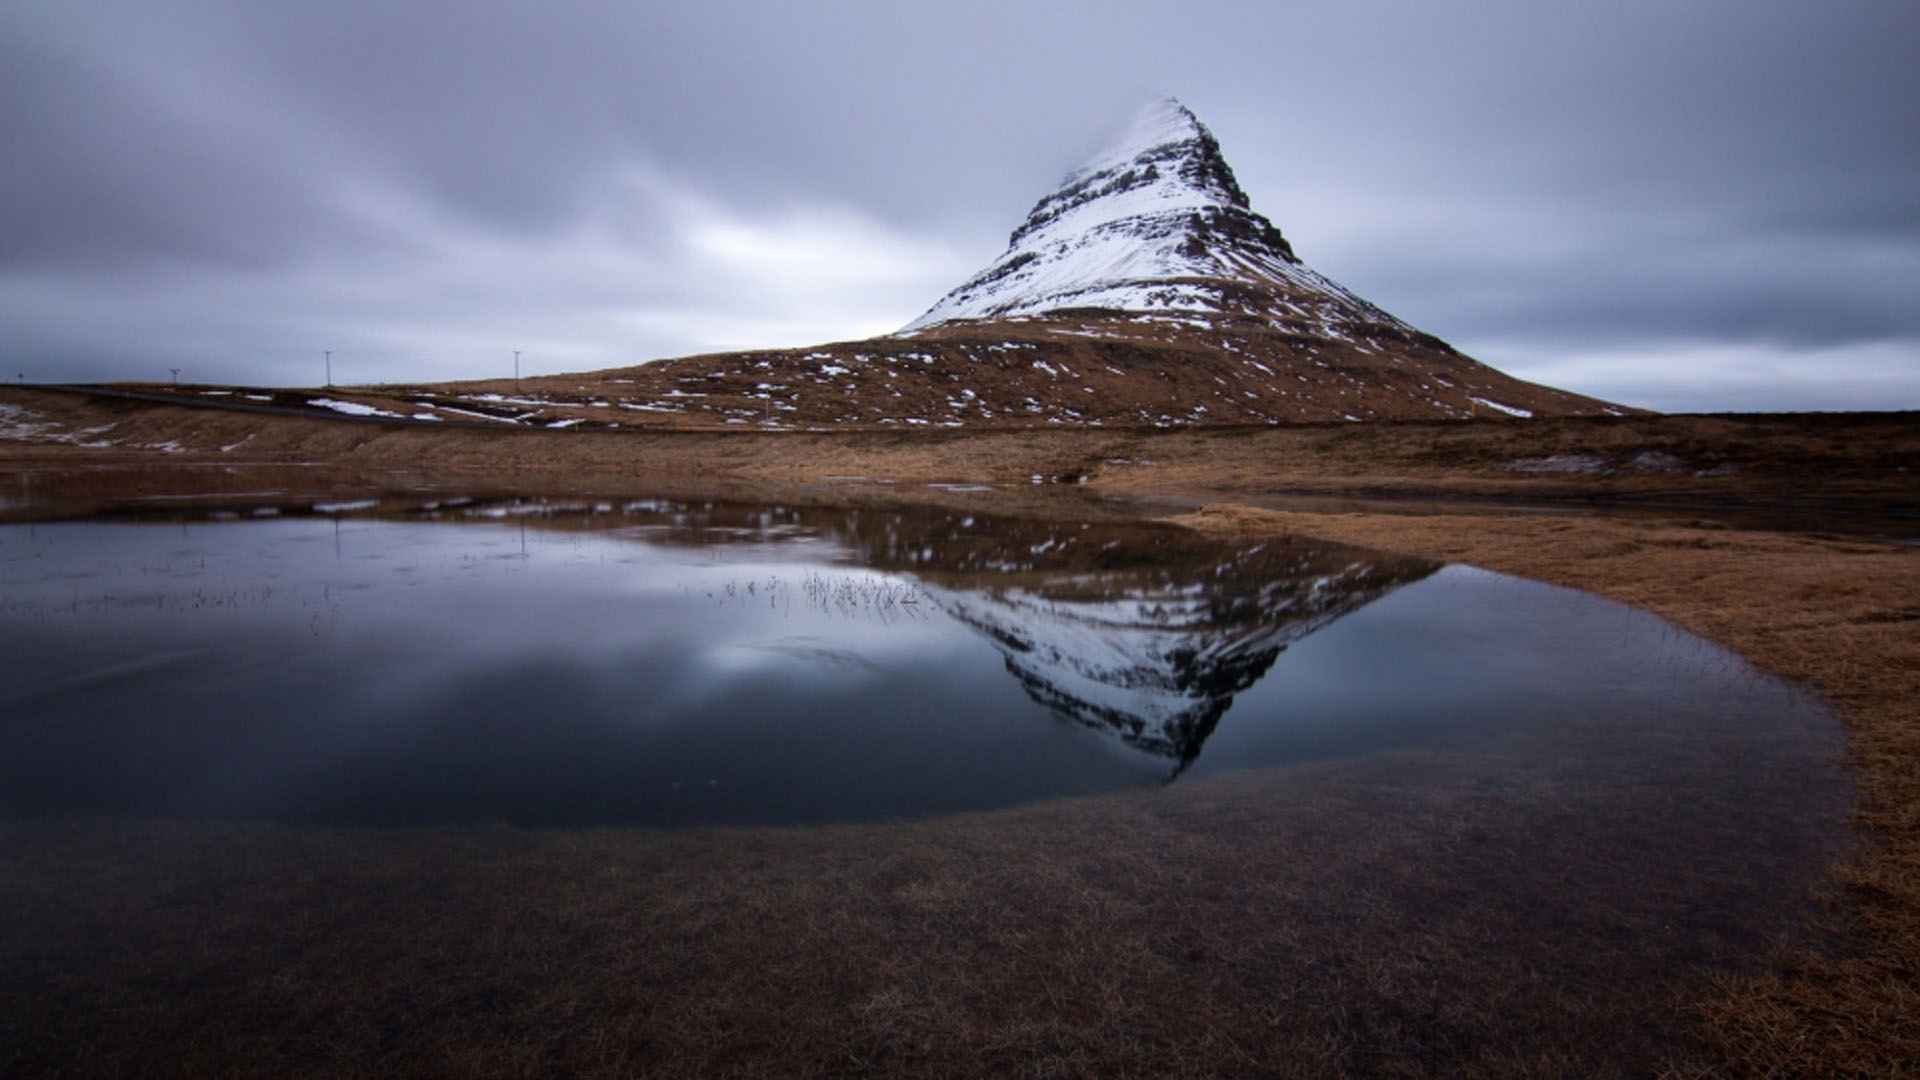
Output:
(1158, 128)
(1164, 160)
(1166, 135)
(1159, 207)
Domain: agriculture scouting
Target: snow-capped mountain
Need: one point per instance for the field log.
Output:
(1154, 223)
(1143, 292)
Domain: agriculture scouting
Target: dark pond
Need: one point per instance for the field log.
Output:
(673, 663)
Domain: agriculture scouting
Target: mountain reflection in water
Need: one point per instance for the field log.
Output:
(1156, 655)
(1145, 632)
(665, 662)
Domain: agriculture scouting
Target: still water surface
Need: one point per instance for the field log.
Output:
(667, 663)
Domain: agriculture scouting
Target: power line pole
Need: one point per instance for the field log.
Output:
(176, 375)
(329, 354)
(516, 369)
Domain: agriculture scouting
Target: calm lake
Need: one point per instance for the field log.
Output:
(661, 663)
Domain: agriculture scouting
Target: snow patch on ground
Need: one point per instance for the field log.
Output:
(1510, 410)
(496, 399)
(477, 415)
(1577, 464)
(19, 424)
(352, 408)
(1656, 461)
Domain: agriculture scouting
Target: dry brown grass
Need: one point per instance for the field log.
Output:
(1810, 460)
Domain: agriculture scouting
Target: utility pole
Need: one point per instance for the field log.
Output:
(329, 354)
(176, 375)
(516, 369)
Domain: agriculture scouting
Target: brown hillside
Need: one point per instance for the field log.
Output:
(1093, 369)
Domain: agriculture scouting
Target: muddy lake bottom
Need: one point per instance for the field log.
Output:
(523, 786)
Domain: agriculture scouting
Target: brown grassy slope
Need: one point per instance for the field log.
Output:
(1066, 370)
(1842, 616)
(1070, 369)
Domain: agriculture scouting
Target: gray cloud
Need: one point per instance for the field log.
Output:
(231, 187)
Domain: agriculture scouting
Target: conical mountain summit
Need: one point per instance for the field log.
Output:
(1155, 223)
(1144, 291)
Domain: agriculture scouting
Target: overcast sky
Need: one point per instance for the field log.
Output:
(1699, 205)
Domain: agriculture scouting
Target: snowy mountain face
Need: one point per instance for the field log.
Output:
(1154, 223)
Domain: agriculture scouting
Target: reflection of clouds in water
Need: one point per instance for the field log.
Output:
(863, 622)
(1143, 633)
(901, 664)
(880, 597)
(809, 649)
(1146, 634)
(137, 668)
